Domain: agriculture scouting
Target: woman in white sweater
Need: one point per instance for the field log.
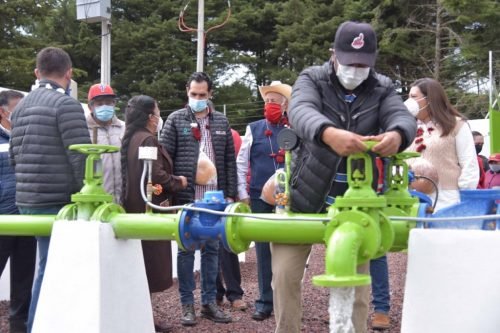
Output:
(443, 138)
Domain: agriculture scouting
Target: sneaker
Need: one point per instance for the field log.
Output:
(239, 304)
(211, 311)
(380, 321)
(188, 315)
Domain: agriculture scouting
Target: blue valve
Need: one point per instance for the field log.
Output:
(195, 228)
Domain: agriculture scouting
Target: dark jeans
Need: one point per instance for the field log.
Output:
(229, 270)
(43, 249)
(209, 269)
(264, 269)
(22, 253)
(380, 284)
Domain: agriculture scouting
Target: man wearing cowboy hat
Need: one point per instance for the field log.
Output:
(260, 151)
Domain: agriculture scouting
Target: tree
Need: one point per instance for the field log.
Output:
(18, 44)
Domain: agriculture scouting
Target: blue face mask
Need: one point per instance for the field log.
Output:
(104, 112)
(198, 105)
(67, 91)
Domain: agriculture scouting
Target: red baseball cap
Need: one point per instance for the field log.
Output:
(495, 157)
(100, 89)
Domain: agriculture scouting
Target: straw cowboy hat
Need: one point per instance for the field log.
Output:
(276, 87)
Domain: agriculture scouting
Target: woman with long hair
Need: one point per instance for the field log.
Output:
(142, 119)
(444, 139)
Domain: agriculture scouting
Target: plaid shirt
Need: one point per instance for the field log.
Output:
(208, 149)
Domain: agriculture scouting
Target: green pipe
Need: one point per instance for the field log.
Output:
(494, 130)
(280, 231)
(26, 225)
(341, 258)
(241, 231)
(401, 228)
(146, 226)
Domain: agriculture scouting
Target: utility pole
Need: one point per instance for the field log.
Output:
(201, 36)
(93, 11)
(106, 51)
(200, 30)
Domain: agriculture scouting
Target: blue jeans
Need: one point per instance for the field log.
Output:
(230, 274)
(264, 268)
(209, 270)
(380, 284)
(43, 249)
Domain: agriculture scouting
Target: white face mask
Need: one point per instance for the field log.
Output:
(495, 167)
(413, 107)
(350, 76)
(159, 126)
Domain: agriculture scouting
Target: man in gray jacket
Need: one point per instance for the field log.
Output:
(106, 129)
(334, 108)
(44, 124)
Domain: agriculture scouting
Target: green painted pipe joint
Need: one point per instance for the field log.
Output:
(235, 241)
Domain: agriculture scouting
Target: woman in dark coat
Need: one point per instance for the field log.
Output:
(142, 119)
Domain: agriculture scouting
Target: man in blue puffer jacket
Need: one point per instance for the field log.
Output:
(20, 249)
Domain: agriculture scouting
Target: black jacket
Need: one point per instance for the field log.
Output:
(44, 124)
(176, 137)
(318, 101)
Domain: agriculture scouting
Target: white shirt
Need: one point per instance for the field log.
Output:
(242, 163)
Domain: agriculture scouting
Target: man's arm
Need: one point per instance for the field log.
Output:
(305, 108)
(242, 165)
(230, 164)
(395, 117)
(73, 130)
(168, 136)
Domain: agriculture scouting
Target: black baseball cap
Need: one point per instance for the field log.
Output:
(355, 43)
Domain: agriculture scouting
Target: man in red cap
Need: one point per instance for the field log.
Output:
(492, 177)
(106, 129)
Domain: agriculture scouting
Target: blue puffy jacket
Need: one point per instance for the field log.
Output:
(7, 178)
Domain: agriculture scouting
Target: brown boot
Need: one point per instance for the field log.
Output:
(239, 304)
(380, 321)
(162, 326)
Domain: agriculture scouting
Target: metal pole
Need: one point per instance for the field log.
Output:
(201, 36)
(105, 52)
(490, 56)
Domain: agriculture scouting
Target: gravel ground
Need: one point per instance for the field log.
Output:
(315, 301)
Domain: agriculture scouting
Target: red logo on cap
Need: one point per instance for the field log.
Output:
(358, 42)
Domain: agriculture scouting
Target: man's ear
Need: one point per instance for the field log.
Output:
(333, 57)
(37, 74)
(68, 74)
(285, 106)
